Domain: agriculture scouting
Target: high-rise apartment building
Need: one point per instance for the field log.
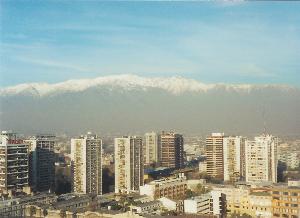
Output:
(13, 163)
(214, 155)
(234, 158)
(86, 156)
(171, 150)
(42, 162)
(151, 148)
(261, 159)
(129, 170)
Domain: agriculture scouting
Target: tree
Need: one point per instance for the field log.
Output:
(200, 189)
(62, 181)
(108, 180)
(45, 212)
(32, 211)
(189, 193)
(281, 167)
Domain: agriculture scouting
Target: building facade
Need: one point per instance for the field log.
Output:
(214, 155)
(234, 158)
(286, 201)
(129, 170)
(151, 148)
(291, 159)
(261, 159)
(202, 167)
(42, 162)
(213, 203)
(14, 166)
(198, 205)
(86, 156)
(245, 200)
(260, 204)
(171, 150)
(173, 187)
(15, 207)
(237, 198)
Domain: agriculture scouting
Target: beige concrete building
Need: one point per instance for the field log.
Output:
(242, 199)
(173, 187)
(202, 166)
(14, 168)
(234, 158)
(237, 198)
(286, 201)
(260, 204)
(86, 157)
(151, 148)
(261, 159)
(129, 170)
(214, 155)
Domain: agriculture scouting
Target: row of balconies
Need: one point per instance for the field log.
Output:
(286, 193)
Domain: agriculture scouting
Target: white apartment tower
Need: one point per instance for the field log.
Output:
(234, 158)
(261, 159)
(13, 164)
(129, 171)
(151, 148)
(86, 156)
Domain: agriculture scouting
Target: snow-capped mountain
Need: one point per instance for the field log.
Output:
(129, 103)
(174, 85)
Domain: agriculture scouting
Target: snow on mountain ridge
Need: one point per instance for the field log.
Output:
(174, 85)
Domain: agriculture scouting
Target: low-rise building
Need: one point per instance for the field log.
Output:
(151, 207)
(198, 205)
(213, 203)
(16, 207)
(286, 201)
(172, 205)
(260, 204)
(173, 187)
(236, 197)
(39, 212)
(218, 203)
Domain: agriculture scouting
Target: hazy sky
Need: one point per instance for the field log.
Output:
(245, 42)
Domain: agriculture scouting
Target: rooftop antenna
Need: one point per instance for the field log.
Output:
(264, 118)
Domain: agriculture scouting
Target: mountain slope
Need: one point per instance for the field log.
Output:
(127, 103)
(174, 85)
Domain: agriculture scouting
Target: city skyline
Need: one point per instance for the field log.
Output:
(218, 42)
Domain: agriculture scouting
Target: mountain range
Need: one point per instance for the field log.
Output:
(124, 104)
